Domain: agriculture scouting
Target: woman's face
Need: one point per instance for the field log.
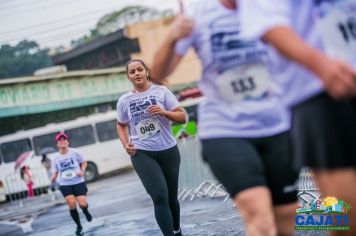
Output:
(137, 74)
(62, 143)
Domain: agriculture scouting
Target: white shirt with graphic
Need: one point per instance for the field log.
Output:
(243, 100)
(68, 167)
(148, 132)
(327, 25)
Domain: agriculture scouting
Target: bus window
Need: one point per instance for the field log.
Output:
(44, 141)
(106, 130)
(81, 136)
(12, 150)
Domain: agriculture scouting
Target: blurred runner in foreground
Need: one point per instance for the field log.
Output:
(319, 39)
(243, 125)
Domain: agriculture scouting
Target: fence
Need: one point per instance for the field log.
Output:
(196, 179)
(16, 189)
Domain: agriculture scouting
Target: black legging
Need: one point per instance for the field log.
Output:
(158, 171)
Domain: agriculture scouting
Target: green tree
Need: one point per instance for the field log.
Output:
(22, 59)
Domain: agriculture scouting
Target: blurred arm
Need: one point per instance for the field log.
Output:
(166, 59)
(338, 77)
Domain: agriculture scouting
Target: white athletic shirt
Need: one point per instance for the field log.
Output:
(148, 132)
(242, 100)
(68, 166)
(327, 25)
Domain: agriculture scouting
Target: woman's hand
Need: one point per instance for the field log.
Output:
(130, 149)
(338, 77)
(156, 110)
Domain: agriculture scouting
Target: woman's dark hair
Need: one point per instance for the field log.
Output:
(22, 171)
(143, 64)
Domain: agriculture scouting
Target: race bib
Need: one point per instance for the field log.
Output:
(336, 22)
(68, 174)
(147, 128)
(244, 82)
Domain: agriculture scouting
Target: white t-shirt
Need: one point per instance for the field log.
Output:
(242, 98)
(68, 167)
(148, 132)
(324, 24)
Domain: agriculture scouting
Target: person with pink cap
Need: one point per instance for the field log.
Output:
(69, 165)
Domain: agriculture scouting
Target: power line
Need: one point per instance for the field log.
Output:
(5, 1)
(23, 4)
(54, 38)
(49, 30)
(39, 9)
(55, 21)
(68, 33)
(71, 1)
(65, 34)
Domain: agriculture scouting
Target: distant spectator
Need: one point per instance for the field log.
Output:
(26, 175)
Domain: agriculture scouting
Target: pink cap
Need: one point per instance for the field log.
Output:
(61, 135)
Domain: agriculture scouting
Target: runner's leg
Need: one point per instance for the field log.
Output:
(339, 183)
(281, 180)
(152, 178)
(67, 192)
(238, 166)
(80, 192)
(170, 161)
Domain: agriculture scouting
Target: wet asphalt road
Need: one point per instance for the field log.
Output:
(120, 206)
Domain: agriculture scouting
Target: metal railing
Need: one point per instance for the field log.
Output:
(16, 189)
(196, 179)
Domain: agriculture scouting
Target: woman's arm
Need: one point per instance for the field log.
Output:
(83, 166)
(338, 77)
(165, 59)
(54, 176)
(123, 133)
(177, 115)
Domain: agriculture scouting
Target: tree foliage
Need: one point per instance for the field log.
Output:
(22, 59)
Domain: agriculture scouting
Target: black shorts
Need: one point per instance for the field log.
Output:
(324, 133)
(242, 163)
(75, 189)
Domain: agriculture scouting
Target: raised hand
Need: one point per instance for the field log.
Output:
(182, 25)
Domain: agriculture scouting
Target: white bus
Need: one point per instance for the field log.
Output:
(94, 136)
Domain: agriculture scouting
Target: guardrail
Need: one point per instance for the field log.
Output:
(16, 189)
(196, 179)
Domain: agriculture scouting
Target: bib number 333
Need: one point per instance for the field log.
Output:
(244, 82)
(147, 128)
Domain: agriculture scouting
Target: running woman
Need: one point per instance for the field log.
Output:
(320, 36)
(243, 124)
(70, 166)
(144, 120)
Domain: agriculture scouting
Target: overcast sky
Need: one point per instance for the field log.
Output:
(55, 22)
